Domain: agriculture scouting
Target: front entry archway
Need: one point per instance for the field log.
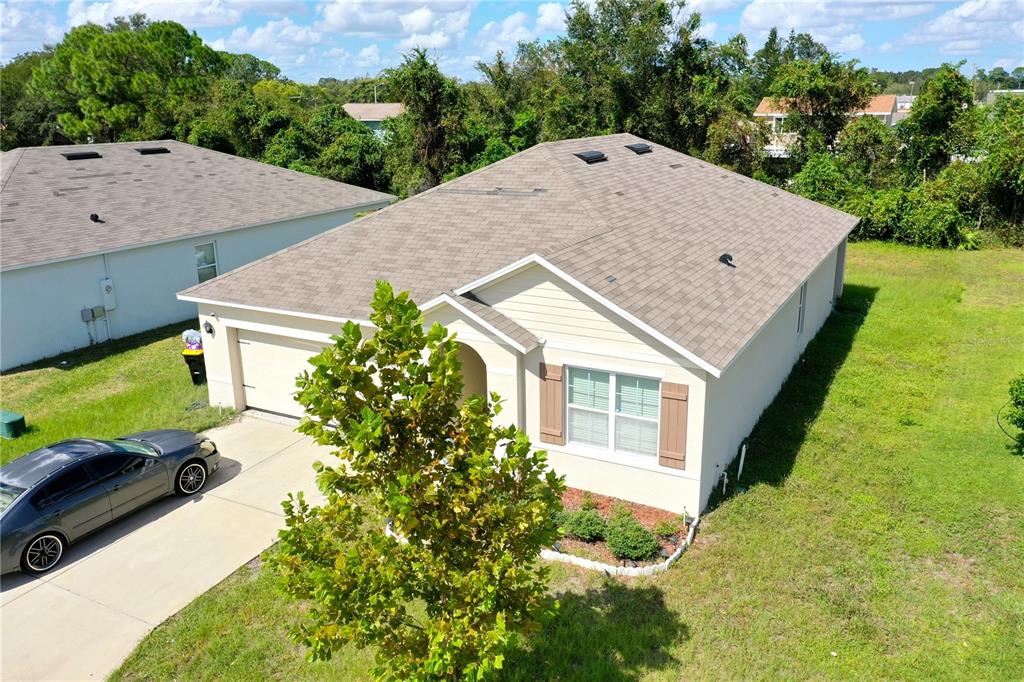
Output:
(474, 372)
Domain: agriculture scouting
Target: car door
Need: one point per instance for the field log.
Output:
(130, 479)
(74, 501)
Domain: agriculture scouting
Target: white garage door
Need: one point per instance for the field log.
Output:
(270, 365)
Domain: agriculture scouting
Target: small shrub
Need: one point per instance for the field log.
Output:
(937, 224)
(666, 528)
(585, 525)
(620, 511)
(588, 502)
(1016, 412)
(627, 539)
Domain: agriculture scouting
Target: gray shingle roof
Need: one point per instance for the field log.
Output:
(506, 326)
(644, 231)
(46, 200)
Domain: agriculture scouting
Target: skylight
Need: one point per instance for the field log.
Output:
(78, 156)
(639, 148)
(146, 151)
(591, 157)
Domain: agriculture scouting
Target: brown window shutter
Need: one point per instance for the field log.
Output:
(552, 405)
(672, 448)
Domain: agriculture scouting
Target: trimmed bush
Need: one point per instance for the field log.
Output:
(584, 524)
(930, 223)
(588, 502)
(627, 539)
(666, 528)
(1016, 412)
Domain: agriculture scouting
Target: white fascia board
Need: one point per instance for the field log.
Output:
(445, 298)
(276, 311)
(535, 259)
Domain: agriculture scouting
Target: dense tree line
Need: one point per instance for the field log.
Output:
(951, 174)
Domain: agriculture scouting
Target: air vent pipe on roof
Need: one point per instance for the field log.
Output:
(726, 258)
(591, 157)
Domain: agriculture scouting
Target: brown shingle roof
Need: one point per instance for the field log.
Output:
(654, 224)
(373, 111)
(46, 200)
(879, 104)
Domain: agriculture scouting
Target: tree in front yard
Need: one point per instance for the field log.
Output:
(470, 504)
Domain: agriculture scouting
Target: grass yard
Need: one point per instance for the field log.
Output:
(881, 535)
(109, 390)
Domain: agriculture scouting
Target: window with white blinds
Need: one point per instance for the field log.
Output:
(612, 411)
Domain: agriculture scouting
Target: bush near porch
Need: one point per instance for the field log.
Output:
(112, 389)
(881, 534)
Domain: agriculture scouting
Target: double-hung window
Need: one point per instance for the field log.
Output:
(206, 261)
(613, 412)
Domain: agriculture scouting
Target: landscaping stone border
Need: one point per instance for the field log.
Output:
(552, 555)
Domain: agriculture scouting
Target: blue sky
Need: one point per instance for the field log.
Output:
(344, 38)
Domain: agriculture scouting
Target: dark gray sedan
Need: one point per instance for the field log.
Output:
(55, 495)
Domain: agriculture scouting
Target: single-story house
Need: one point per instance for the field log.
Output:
(96, 240)
(636, 308)
(372, 114)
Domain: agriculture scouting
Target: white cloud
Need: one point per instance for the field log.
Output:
(368, 56)
(851, 42)
(188, 12)
(274, 37)
(26, 30)
(969, 26)
(418, 20)
(431, 41)
(505, 34)
(550, 17)
(389, 18)
(707, 30)
(712, 6)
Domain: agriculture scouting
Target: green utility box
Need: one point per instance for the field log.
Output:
(12, 424)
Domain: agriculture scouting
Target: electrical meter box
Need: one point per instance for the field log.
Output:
(109, 297)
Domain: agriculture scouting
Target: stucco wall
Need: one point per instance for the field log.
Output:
(41, 306)
(736, 400)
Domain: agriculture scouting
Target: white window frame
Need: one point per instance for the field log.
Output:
(802, 310)
(215, 263)
(611, 415)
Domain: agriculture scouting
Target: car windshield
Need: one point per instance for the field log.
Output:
(134, 447)
(8, 494)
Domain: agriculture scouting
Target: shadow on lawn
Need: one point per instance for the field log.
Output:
(105, 349)
(616, 632)
(782, 428)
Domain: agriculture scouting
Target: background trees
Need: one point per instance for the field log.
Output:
(639, 66)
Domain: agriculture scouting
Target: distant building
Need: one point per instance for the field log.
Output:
(992, 95)
(372, 114)
(903, 105)
(775, 111)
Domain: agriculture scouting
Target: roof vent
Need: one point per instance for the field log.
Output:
(639, 148)
(146, 151)
(591, 157)
(78, 156)
(726, 258)
(95, 218)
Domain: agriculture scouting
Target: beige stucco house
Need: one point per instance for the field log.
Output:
(636, 308)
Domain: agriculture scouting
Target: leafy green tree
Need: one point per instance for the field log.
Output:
(819, 96)
(939, 124)
(432, 125)
(470, 504)
(1002, 162)
(767, 61)
(126, 81)
(822, 179)
(868, 149)
(26, 118)
(736, 142)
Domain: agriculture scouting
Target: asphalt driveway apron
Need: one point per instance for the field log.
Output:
(80, 621)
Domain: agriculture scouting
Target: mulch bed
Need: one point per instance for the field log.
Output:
(572, 499)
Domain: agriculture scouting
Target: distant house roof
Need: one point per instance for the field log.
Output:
(642, 231)
(879, 104)
(373, 111)
(48, 194)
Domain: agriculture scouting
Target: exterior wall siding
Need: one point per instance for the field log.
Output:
(736, 400)
(42, 305)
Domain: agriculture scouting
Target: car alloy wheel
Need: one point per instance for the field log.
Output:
(43, 553)
(192, 478)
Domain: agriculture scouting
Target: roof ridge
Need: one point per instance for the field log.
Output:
(10, 173)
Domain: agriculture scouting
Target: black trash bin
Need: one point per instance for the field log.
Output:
(196, 365)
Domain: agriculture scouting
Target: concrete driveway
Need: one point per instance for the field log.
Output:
(81, 621)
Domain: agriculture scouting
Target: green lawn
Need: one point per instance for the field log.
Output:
(108, 390)
(881, 536)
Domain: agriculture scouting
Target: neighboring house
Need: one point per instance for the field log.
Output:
(992, 95)
(903, 106)
(592, 296)
(95, 240)
(775, 111)
(372, 114)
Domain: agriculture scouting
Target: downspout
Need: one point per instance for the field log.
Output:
(106, 313)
